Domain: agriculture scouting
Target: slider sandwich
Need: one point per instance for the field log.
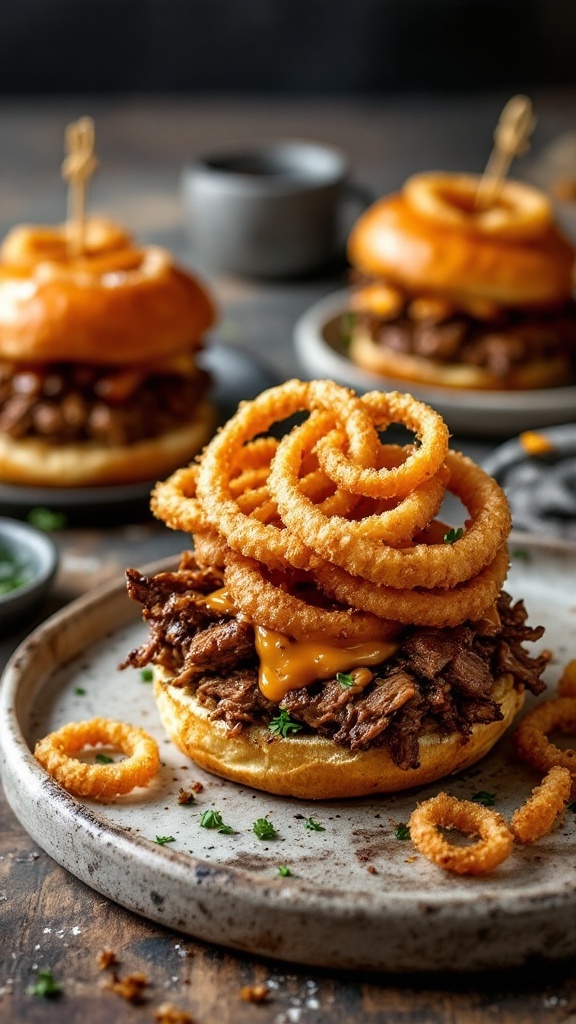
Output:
(98, 376)
(453, 293)
(330, 636)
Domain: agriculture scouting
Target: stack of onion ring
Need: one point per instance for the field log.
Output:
(334, 507)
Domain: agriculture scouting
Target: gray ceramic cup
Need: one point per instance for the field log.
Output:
(273, 210)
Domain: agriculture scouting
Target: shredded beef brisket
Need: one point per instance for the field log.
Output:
(438, 678)
(500, 345)
(113, 405)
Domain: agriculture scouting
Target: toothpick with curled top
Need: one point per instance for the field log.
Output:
(77, 169)
(511, 138)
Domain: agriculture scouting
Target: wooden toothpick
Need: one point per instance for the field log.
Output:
(77, 169)
(511, 138)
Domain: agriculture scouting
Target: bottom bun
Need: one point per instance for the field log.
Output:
(34, 462)
(314, 768)
(537, 373)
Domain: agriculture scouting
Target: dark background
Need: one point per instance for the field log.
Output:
(288, 46)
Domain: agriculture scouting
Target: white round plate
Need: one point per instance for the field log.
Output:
(357, 897)
(321, 352)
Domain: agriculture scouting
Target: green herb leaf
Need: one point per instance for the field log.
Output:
(313, 826)
(103, 759)
(146, 675)
(522, 554)
(45, 986)
(47, 520)
(284, 871)
(79, 691)
(13, 572)
(453, 535)
(282, 724)
(161, 840)
(402, 831)
(345, 680)
(213, 819)
(484, 798)
(264, 829)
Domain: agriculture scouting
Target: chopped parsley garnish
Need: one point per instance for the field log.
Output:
(13, 572)
(146, 675)
(282, 724)
(402, 831)
(345, 679)
(45, 986)
(47, 520)
(103, 759)
(484, 798)
(313, 826)
(162, 840)
(522, 553)
(213, 819)
(453, 535)
(264, 829)
(80, 691)
(284, 871)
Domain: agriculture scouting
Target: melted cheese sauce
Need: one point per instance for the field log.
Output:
(287, 664)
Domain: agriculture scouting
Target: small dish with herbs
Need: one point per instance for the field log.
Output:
(28, 561)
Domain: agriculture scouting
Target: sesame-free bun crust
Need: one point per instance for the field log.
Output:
(38, 463)
(393, 240)
(535, 373)
(116, 304)
(311, 767)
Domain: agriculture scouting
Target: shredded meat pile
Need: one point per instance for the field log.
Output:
(438, 678)
(499, 346)
(66, 402)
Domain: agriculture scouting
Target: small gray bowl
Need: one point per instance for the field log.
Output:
(37, 555)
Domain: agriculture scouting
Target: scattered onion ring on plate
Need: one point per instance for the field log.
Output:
(493, 847)
(531, 737)
(537, 816)
(56, 752)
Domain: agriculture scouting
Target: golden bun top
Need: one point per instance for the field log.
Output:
(432, 239)
(115, 303)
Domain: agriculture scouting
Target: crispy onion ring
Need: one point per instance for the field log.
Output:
(274, 607)
(567, 681)
(436, 607)
(248, 536)
(537, 816)
(329, 534)
(425, 565)
(210, 549)
(397, 482)
(492, 848)
(531, 738)
(99, 781)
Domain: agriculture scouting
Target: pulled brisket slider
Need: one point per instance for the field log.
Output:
(98, 380)
(455, 295)
(322, 681)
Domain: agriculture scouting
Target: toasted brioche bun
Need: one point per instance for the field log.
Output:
(395, 240)
(311, 767)
(116, 304)
(536, 373)
(39, 463)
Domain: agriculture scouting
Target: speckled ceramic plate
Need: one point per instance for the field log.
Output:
(321, 352)
(357, 897)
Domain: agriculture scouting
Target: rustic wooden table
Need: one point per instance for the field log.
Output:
(49, 920)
